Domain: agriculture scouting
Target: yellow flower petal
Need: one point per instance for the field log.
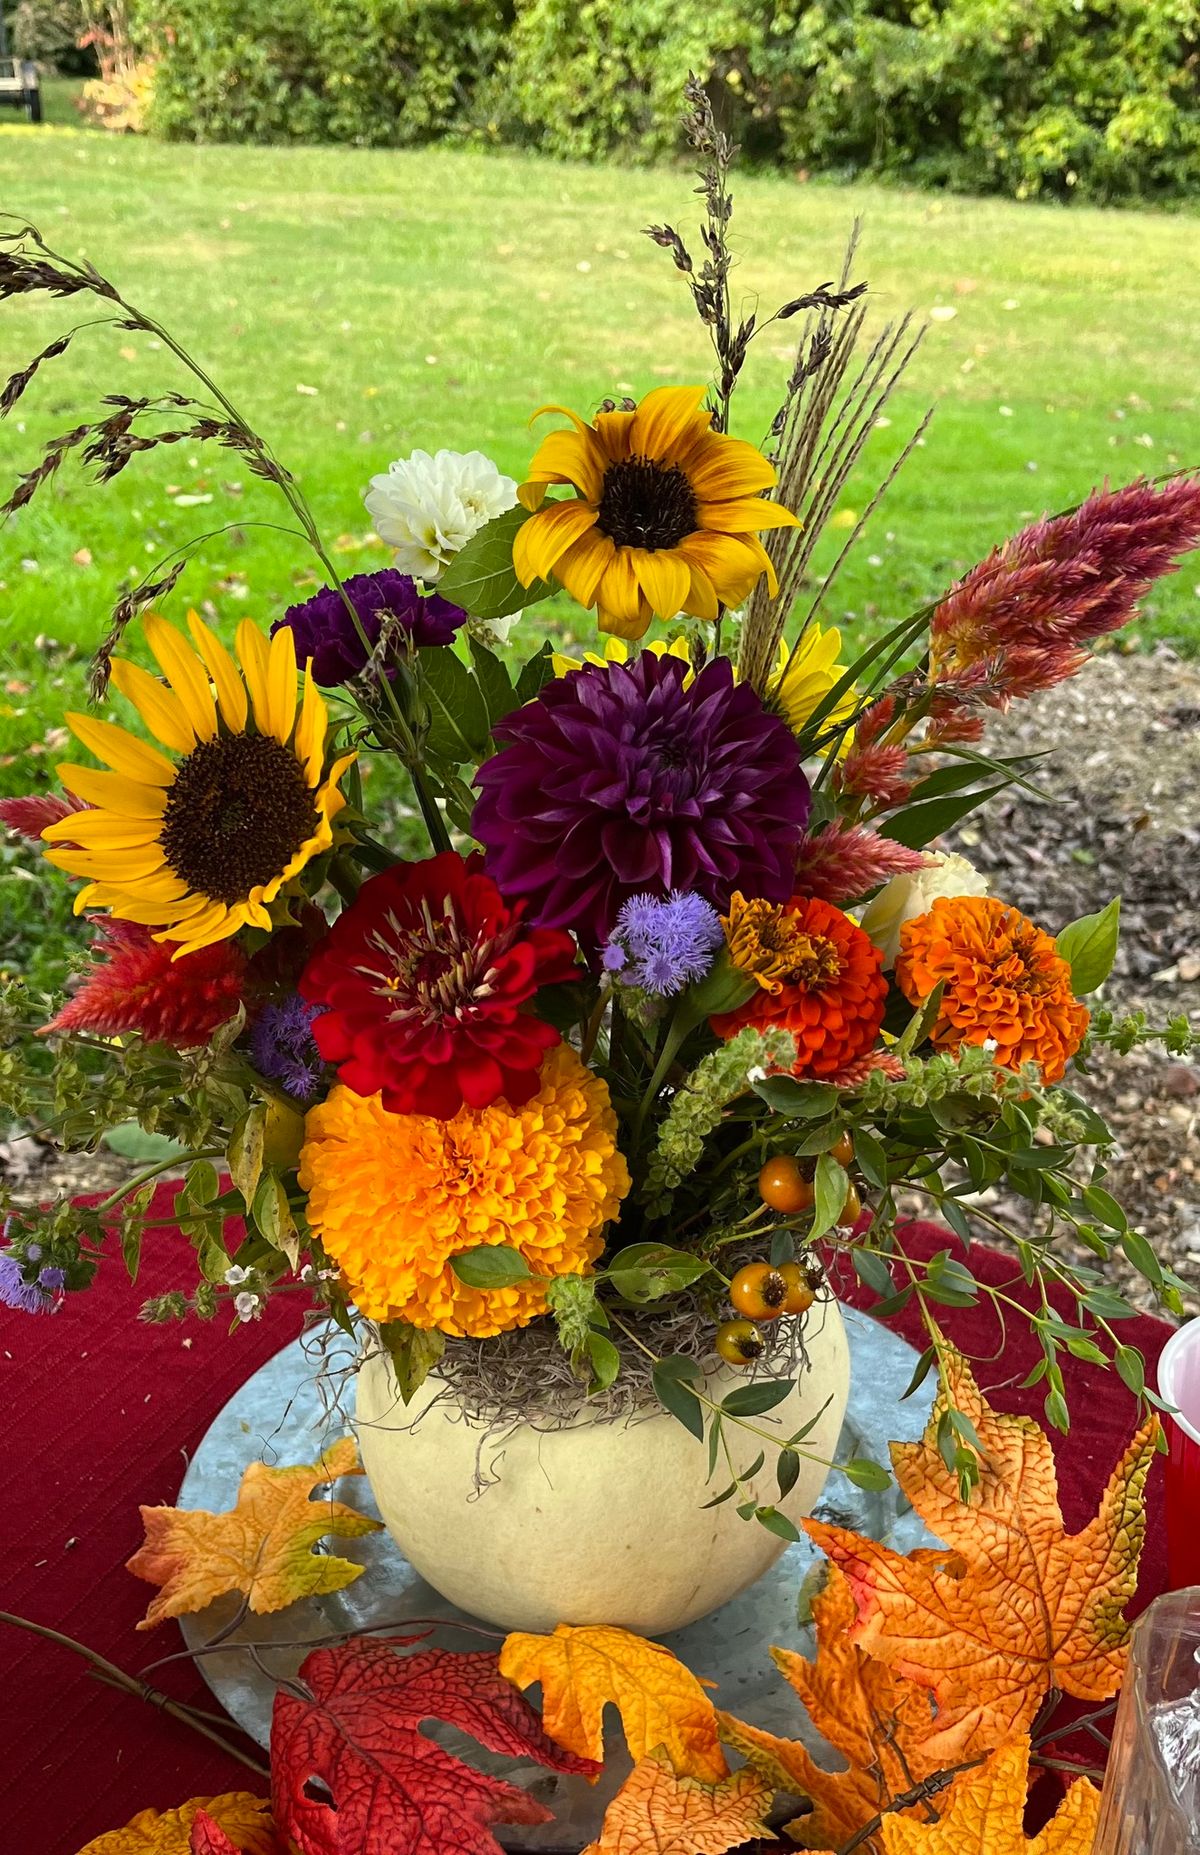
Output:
(213, 923)
(310, 730)
(613, 429)
(185, 673)
(121, 751)
(701, 599)
(545, 537)
(733, 563)
(668, 421)
(113, 791)
(622, 606)
(584, 565)
(117, 867)
(160, 709)
(722, 466)
(231, 691)
(570, 457)
(253, 655)
(663, 577)
(102, 830)
(281, 684)
(744, 515)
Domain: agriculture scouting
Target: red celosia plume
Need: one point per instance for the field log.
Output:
(134, 985)
(1019, 620)
(841, 863)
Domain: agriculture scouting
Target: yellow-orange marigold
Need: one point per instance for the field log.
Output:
(1004, 980)
(394, 1197)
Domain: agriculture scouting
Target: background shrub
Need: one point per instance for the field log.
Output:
(1092, 97)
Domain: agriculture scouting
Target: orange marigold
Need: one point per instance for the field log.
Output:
(818, 976)
(395, 1197)
(1005, 982)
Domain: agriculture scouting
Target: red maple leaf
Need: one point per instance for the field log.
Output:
(206, 1837)
(353, 1774)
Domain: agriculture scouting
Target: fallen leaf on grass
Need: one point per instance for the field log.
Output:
(1018, 1605)
(661, 1702)
(657, 1813)
(261, 1547)
(881, 1725)
(982, 1814)
(243, 1819)
(387, 1786)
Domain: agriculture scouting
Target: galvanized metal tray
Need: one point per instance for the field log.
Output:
(281, 1415)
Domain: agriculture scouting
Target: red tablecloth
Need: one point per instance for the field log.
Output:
(104, 1413)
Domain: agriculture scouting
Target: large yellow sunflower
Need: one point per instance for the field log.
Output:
(199, 844)
(665, 518)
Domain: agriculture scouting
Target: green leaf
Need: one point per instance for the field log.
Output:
(921, 1022)
(499, 696)
(491, 1265)
(482, 579)
(956, 1217)
(646, 1271)
(830, 1186)
(1104, 1207)
(873, 1272)
(1132, 1368)
(202, 1183)
(917, 825)
(1089, 946)
(870, 1157)
(273, 1216)
(129, 1141)
(866, 1474)
(787, 1471)
(606, 1360)
(413, 1352)
(799, 1101)
(778, 1523)
(718, 1500)
(458, 717)
(783, 1248)
(672, 1392)
(535, 674)
(753, 1400)
(921, 1372)
(212, 1258)
(244, 1154)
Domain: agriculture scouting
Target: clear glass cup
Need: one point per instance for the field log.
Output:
(1151, 1800)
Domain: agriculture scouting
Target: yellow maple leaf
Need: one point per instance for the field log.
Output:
(982, 1812)
(245, 1820)
(661, 1702)
(657, 1813)
(261, 1547)
(881, 1725)
(1017, 1604)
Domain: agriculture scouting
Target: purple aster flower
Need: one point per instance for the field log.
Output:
(663, 945)
(326, 632)
(617, 781)
(285, 1050)
(42, 1296)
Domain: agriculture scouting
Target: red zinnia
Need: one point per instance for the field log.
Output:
(420, 987)
(135, 985)
(818, 976)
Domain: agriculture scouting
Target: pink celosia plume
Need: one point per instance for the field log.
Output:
(841, 863)
(32, 814)
(135, 985)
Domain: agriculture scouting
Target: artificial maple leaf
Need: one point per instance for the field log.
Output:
(657, 1813)
(881, 1725)
(1017, 1605)
(262, 1547)
(390, 1787)
(242, 1819)
(982, 1814)
(207, 1837)
(661, 1702)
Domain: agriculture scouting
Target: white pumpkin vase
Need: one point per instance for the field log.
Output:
(594, 1522)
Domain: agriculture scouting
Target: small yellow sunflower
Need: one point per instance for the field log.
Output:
(198, 845)
(665, 518)
(617, 651)
(804, 678)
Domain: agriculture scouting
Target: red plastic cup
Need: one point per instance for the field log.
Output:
(1179, 1385)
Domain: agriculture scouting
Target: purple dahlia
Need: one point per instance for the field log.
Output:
(326, 632)
(617, 781)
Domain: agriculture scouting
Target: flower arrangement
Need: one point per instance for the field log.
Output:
(676, 1002)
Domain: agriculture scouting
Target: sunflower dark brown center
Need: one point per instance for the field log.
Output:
(644, 503)
(238, 811)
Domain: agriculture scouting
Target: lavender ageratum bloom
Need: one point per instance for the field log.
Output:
(664, 945)
(41, 1296)
(284, 1050)
(325, 631)
(616, 781)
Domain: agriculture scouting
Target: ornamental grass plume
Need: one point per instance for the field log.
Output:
(1027, 610)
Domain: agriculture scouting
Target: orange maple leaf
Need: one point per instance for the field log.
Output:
(881, 1725)
(661, 1702)
(1017, 1605)
(246, 1821)
(982, 1812)
(657, 1813)
(262, 1547)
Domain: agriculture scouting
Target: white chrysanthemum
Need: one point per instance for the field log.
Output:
(428, 508)
(905, 897)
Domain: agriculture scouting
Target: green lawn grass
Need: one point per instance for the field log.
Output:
(357, 304)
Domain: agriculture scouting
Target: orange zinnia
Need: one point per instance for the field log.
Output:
(1005, 982)
(818, 976)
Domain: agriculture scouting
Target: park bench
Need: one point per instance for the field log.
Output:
(19, 86)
